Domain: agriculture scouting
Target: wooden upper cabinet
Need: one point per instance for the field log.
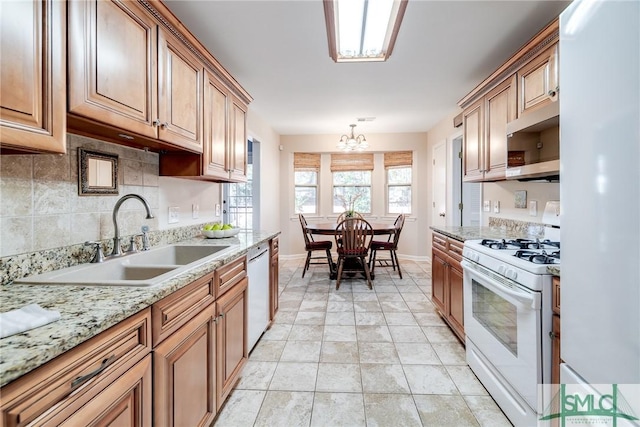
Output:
(500, 108)
(215, 159)
(112, 64)
(238, 149)
(179, 93)
(33, 76)
(538, 81)
(473, 139)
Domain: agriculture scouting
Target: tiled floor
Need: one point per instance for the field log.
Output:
(357, 357)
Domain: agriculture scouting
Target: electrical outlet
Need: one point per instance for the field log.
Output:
(533, 208)
(217, 209)
(496, 206)
(195, 211)
(174, 214)
(486, 206)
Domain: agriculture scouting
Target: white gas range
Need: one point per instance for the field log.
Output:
(507, 319)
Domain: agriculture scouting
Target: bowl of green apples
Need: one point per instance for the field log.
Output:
(217, 230)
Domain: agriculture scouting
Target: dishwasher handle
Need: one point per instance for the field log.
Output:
(255, 257)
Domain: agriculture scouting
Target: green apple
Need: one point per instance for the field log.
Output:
(217, 226)
(227, 227)
(208, 227)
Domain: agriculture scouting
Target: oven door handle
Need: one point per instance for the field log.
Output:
(488, 281)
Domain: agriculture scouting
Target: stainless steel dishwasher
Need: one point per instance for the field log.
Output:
(258, 299)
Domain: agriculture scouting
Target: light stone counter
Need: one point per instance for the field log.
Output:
(88, 310)
(474, 233)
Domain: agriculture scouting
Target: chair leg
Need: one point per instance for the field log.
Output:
(330, 260)
(372, 261)
(340, 267)
(306, 263)
(394, 254)
(366, 272)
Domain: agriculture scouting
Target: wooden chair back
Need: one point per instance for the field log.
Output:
(398, 224)
(344, 216)
(308, 238)
(353, 237)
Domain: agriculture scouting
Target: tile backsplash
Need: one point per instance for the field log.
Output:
(41, 208)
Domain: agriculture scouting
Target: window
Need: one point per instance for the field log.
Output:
(238, 198)
(352, 182)
(399, 171)
(305, 171)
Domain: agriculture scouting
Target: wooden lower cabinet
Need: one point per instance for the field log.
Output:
(447, 282)
(184, 372)
(232, 352)
(556, 360)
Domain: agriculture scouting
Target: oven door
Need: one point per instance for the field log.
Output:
(502, 320)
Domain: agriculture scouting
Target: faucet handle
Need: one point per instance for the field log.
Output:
(145, 239)
(132, 243)
(99, 255)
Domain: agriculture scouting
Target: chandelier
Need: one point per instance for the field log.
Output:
(352, 143)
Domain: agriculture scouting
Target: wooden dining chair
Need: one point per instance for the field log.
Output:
(391, 246)
(310, 245)
(353, 239)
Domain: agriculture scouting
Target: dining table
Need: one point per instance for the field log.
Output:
(329, 229)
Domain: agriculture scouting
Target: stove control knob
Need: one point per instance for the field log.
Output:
(511, 274)
(501, 269)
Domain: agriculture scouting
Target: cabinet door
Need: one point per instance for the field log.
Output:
(232, 338)
(180, 77)
(112, 64)
(126, 402)
(538, 81)
(184, 374)
(238, 149)
(500, 107)
(216, 128)
(33, 75)
(555, 350)
(473, 141)
(439, 279)
(455, 314)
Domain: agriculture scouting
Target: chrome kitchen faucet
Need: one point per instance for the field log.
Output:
(117, 251)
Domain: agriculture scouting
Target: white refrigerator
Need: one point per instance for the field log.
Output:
(600, 191)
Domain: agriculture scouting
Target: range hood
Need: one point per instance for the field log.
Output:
(533, 145)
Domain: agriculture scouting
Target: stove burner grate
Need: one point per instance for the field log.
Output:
(538, 257)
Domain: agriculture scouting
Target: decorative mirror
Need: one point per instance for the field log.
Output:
(97, 173)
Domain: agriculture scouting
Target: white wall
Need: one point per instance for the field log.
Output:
(414, 234)
(184, 193)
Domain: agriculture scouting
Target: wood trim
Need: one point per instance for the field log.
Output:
(330, 22)
(555, 301)
(546, 37)
(168, 20)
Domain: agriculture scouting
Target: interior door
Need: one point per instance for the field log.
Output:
(439, 182)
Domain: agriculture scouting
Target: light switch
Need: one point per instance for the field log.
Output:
(496, 206)
(174, 214)
(533, 208)
(486, 206)
(195, 211)
(217, 209)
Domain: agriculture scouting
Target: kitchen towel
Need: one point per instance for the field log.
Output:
(25, 318)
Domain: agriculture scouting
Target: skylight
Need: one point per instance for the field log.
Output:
(362, 30)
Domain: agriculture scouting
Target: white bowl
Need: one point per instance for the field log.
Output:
(231, 231)
(213, 234)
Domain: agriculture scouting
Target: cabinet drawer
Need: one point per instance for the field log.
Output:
(439, 242)
(555, 302)
(172, 312)
(455, 250)
(230, 274)
(76, 376)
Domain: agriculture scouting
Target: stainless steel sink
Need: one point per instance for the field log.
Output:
(148, 268)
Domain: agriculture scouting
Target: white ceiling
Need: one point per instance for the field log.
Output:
(277, 50)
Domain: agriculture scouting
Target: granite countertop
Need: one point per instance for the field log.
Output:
(554, 269)
(88, 310)
(474, 233)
